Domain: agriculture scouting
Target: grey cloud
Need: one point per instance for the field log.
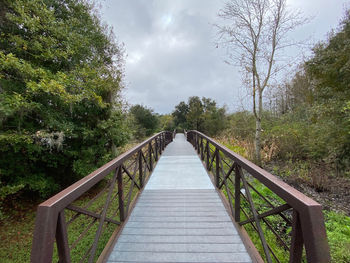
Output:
(171, 52)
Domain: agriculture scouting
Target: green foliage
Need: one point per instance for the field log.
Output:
(145, 121)
(242, 125)
(338, 233)
(180, 114)
(60, 78)
(166, 122)
(200, 114)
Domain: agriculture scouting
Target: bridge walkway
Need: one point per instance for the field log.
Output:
(179, 216)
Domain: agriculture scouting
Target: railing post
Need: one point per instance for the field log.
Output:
(198, 145)
(120, 194)
(150, 156)
(156, 148)
(163, 144)
(202, 149)
(296, 248)
(62, 239)
(140, 169)
(195, 141)
(237, 193)
(158, 145)
(208, 154)
(217, 173)
(44, 234)
(314, 235)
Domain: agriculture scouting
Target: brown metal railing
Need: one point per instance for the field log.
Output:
(82, 218)
(283, 223)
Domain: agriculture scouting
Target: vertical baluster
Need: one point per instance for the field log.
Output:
(195, 141)
(140, 168)
(217, 174)
(202, 149)
(208, 154)
(160, 138)
(156, 146)
(237, 193)
(150, 156)
(120, 194)
(198, 145)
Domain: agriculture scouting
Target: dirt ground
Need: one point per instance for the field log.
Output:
(335, 196)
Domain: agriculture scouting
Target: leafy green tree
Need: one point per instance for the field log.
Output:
(330, 72)
(200, 114)
(146, 122)
(215, 119)
(194, 116)
(60, 78)
(166, 122)
(180, 114)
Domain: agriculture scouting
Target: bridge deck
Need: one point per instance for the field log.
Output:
(179, 217)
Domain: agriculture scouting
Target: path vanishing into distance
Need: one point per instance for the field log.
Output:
(179, 216)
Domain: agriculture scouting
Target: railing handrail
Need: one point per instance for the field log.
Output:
(50, 222)
(288, 193)
(74, 191)
(308, 226)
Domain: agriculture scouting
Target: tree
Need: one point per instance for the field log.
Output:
(146, 122)
(179, 115)
(200, 114)
(254, 32)
(329, 71)
(194, 115)
(60, 77)
(215, 118)
(166, 122)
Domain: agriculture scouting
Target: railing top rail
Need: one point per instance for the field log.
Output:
(292, 196)
(71, 193)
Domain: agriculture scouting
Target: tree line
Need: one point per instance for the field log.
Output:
(61, 111)
(61, 115)
(200, 114)
(306, 119)
(316, 101)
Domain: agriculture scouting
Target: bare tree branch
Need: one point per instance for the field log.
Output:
(254, 32)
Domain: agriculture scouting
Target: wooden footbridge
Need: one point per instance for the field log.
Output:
(180, 198)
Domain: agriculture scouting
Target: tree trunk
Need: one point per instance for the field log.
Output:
(258, 141)
(258, 129)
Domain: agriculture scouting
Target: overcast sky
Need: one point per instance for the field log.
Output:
(171, 52)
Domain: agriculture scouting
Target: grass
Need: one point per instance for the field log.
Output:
(337, 223)
(337, 227)
(16, 230)
(338, 233)
(16, 234)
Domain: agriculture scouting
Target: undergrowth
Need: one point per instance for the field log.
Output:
(314, 175)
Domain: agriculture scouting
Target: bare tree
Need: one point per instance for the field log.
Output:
(254, 31)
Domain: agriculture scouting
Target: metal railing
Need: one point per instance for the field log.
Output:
(283, 223)
(76, 224)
